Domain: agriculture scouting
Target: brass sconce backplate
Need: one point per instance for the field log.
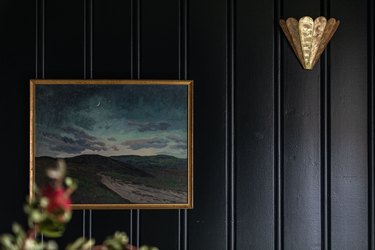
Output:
(309, 37)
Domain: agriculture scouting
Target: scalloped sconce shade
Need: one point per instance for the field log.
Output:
(309, 37)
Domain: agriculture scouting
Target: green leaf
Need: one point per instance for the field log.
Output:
(52, 228)
(37, 217)
(81, 244)
(7, 242)
(148, 248)
(44, 202)
(17, 229)
(71, 183)
(31, 244)
(76, 244)
(113, 245)
(88, 244)
(116, 241)
(51, 245)
(67, 216)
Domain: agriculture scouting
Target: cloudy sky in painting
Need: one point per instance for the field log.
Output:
(111, 120)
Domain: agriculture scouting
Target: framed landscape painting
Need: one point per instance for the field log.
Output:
(128, 143)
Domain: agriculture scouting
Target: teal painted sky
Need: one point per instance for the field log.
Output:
(111, 120)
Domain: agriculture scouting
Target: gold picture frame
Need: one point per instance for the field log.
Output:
(68, 120)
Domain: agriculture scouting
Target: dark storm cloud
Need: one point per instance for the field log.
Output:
(69, 149)
(146, 143)
(74, 118)
(180, 142)
(77, 133)
(149, 126)
(179, 146)
(57, 103)
(176, 139)
(75, 142)
(84, 122)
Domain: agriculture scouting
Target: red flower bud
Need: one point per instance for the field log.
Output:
(58, 200)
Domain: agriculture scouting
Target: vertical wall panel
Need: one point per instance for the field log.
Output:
(106, 223)
(325, 143)
(349, 127)
(207, 67)
(111, 59)
(183, 73)
(325, 147)
(63, 48)
(278, 130)
(112, 43)
(254, 125)
(64, 41)
(159, 40)
(371, 120)
(302, 224)
(17, 66)
(159, 228)
(230, 136)
(63, 58)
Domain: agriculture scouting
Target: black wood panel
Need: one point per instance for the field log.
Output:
(371, 120)
(230, 131)
(325, 143)
(278, 129)
(63, 41)
(349, 127)
(159, 228)
(255, 125)
(159, 39)
(111, 58)
(159, 59)
(17, 50)
(106, 223)
(301, 142)
(111, 43)
(61, 55)
(207, 67)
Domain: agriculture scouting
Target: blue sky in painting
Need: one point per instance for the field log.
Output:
(111, 120)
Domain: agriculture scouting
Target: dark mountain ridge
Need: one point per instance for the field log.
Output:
(96, 163)
(160, 171)
(159, 161)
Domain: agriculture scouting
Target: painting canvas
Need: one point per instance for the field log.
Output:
(128, 143)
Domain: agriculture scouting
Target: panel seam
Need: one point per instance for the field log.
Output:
(182, 74)
(325, 154)
(371, 126)
(278, 131)
(230, 131)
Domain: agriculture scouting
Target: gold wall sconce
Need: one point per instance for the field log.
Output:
(309, 37)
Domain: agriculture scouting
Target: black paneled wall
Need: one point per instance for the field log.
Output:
(284, 158)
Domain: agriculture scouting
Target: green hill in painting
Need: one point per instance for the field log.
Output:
(160, 161)
(101, 178)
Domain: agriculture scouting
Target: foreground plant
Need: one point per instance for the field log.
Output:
(49, 212)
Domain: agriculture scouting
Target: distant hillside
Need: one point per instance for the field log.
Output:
(103, 163)
(85, 169)
(169, 171)
(161, 161)
(161, 171)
